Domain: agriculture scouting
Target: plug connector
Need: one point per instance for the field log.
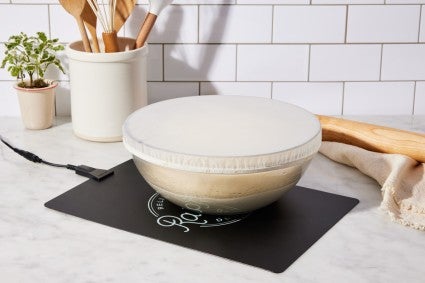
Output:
(92, 173)
(83, 170)
(25, 154)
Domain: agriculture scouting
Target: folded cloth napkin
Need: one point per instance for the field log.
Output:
(402, 179)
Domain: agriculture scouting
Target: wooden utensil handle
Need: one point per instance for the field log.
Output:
(145, 30)
(110, 40)
(83, 34)
(95, 42)
(374, 138)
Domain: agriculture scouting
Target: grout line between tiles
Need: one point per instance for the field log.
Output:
(163, 62)
(346, 24)
(263, 82)
(380, 63)
(343, 98)
(414, 99)
(199, 20)
(309, 60)
(253, 81)
(291, 43)
(48, 21)
(272, 33)
(236, 63)
(420, 23)
(271, 90)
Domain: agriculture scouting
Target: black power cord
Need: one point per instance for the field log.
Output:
(83, 170)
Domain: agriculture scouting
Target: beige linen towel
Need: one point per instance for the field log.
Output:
(402, 180)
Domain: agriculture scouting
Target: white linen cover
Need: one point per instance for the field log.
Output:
(222, 134)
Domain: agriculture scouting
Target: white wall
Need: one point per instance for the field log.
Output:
(329, 56)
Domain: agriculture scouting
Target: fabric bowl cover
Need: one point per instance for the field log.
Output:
(222, 134)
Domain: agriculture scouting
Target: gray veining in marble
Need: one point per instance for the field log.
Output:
(41, 245)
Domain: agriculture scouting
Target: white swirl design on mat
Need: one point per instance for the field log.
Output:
(157, 206)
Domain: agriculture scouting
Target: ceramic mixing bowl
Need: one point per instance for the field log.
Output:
(222, 154)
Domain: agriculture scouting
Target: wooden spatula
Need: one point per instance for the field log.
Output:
(155, 8)
(122, 12)
(90, 21)
(374, 138)
(75, 8)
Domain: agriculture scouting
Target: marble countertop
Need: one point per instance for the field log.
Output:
(41, 245)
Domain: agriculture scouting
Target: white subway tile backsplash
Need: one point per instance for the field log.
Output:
(202, 62)
(403, 62)
(194, 2)
(63, 25)
(347, 2)
(345, 62)
(313, 24)
(383, 23)
(9, 105)
(204, 2)
(300, 51)
(177, 24)
(158, 91)
(275, 2)
(155, 63)
(235, 24)
(420, 99)
(237, 88)
(319, 98)
(26, 18)
(405, 1)
(272, 63)
(63, 99)
(35, 1)
(380, 98)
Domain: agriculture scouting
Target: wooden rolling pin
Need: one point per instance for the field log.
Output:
(373, 137)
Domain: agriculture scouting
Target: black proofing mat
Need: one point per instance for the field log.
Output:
(271, 238)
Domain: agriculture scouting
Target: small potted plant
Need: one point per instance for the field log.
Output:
(27, 58)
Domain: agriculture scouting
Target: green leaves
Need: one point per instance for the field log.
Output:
(31, 55)
(42, 36)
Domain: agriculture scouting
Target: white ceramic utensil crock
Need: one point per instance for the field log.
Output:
(222, 154)
(105, 89)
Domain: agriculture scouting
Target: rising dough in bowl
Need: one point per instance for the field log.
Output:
(224, 154)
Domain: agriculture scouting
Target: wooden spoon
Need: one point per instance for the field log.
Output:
(90, 21)
(122, 12)
(374, 138)
(75, 8)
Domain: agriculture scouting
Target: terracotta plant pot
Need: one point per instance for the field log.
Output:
(37, 106)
